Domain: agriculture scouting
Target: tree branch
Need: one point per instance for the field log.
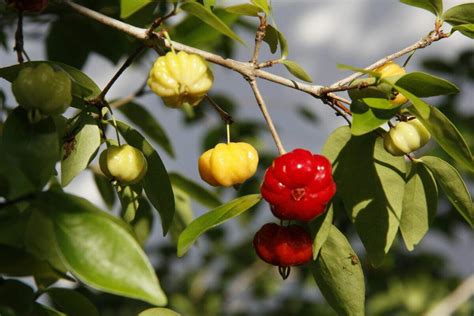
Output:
(266, 115)
(248, 69)
(19, 38)
(426, 41)
(455, 299)
(259, 36)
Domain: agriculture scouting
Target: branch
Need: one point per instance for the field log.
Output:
(125, 65)
(259, 36)
(454, 300)
(19, 38)
(266, 115)
(226, 117)
(248, 69)
(426, 41)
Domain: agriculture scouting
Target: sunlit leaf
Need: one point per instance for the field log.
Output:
(213, 218)
(339, 276)
(88, 240)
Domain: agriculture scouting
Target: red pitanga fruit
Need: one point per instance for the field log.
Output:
(283, 246)
(298, 185)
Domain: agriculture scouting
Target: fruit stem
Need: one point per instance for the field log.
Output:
(167, 36)
(226, 117)
(284, 272)
(228, 132)
(125, 65)
(266, 115)
(19, 38)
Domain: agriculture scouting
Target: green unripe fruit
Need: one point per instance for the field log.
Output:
(125, 163)
(406, 137)
(43, 89)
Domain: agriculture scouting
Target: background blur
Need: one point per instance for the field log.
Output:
(221, 275)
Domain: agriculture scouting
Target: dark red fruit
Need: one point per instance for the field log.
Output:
(298, 185)
(283, 246)
(29, 5)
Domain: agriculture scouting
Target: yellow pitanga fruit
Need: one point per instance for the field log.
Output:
(228, 164)
(180, 78)
(391, 69)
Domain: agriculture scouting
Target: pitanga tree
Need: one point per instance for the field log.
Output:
(368, 175)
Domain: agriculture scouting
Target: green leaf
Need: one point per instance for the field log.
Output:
(142, 224)
(320, 228)
(460, 14)
(374, 199)
(139, 116)
(19, 263)
(82, 85)
(447, 136)
(42, 248)
(339, 276)
(283, 44)
(34, 146)
(72, 303)
(419, 205)
(425, 85)
(18, 296)
(466, 29)
(79, 151)
(434, 6)
(88, 240)
(453, 186)
(129, 196)
(378, 103)
(213, 218)
(209, 3)
(193, 32)
(244, 9)
(197, 192)
(296, 70)
(366, 119)
(419, 104)
(129, 7)
(13, 223)
(271, 38)
(357, 69)
(199, 11)
(156, 182)
(43, 310)
(262, 4)
(106, 189)
(158, 311)
(184, 213)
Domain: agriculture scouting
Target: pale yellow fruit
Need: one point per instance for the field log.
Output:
(125, 163)
(180, 78)
(406, 137)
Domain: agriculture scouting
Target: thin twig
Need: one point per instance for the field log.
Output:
(266, 115)
(125, 65)
(159, 20)
(19, 38)
(247, 69)
(453, 301)
(426, 41)
(226, 117)
(259, 36)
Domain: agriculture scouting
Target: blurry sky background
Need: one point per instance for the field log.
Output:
(320, 34)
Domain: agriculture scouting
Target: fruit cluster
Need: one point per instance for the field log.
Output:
(298, 186)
